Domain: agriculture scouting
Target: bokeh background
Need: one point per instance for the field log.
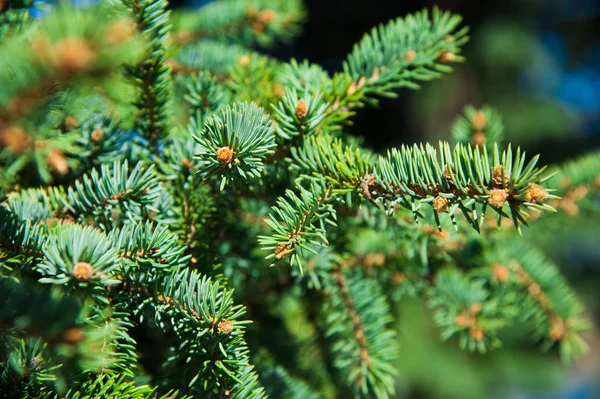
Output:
(538, 63)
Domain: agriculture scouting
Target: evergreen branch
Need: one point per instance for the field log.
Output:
(147, 245)
(153, 74)
(298, 116)
(207, 322)
(464, 307)
(234, 143)
(14, 16)
(548, 301)
(299, 224)
(205, 96)
(97, 193)
(461, 179)
(78, 257)
(213, 56)
(115, 387)
(67, 45)
(357, 322)
(406, 51)
(478, 127)
(283, 385)
(246, 21)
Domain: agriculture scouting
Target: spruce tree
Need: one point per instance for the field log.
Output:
(153, 167)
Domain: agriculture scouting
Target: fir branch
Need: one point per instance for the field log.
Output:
(245, 21)
(299, 224)
(478, 127)
(234, 143)
(357, 319)
(405, 51)
(153, 74)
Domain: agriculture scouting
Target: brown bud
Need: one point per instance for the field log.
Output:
(73, 335)
(301, 110)
(448, 38)
(245, 60)
(70, 123)
(278, 90)
(82, 271)
(500, 272)
(557, 330)
(478, 139)
(440, 204)
(57, 161)
(281, 251)
(479, 120)
(398, 277)
(410, 55)
(497, 198)
(225, 326)
(186, 163)
(535, 193)
(120, 32)
(258, 27)
(97, 135)
(15, 139)
(446, 58)
(267, 16)
(464, 319)
(73, 54)
(499, 176)
(476, 333)
(475, 308)
(225, 155)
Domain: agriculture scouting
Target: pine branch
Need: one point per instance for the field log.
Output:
(234, 143)
(478, 127)
(299, 224)
(357, 319)
(245, 21)
(153, 74)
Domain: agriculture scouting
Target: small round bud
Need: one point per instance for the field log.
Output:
(440, 204)
(499, 176)
(15, 139)
(497, 198)
(478, 139)
(464, 319)
(258, 27)
(475, 308)
(82, 271)
(479, 120)
(70, 123)
(446, 58)
(557, 330)
(120, 32)
(96, 135)
(245, 60)
(500, 272)
(73, 54)
(410, 55)
(398, 277)
(57, 161)
(448, 38)
(225, 326)
(301, 110)
(186, 163)
(267, 16)
(225, 154)
(73, 335)
(476, 333)
(535, 193)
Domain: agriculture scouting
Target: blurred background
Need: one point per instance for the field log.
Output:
(538, 63)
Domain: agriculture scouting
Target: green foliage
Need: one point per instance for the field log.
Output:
(235, 142)
(147, 172)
